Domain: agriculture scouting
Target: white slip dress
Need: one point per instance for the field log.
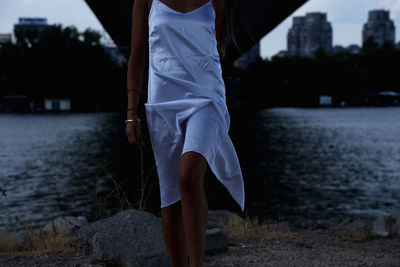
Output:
(186, 105)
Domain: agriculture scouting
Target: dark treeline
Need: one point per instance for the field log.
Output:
(61, 62)
(298, 81)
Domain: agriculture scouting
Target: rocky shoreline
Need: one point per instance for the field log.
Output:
(134, 238)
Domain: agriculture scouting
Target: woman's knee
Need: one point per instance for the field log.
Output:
(191, 172)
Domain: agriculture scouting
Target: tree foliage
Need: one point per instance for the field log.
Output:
(62, 62)
(299, 81)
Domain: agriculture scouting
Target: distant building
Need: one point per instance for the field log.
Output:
(383, 98)
(36, 23)
(249, 57)
(5, 37)
(15, 103)
(57, 104)
(296, 36)
(379, 26)
(27, 103)
(325, 100)
(309, 33)
(31, 27)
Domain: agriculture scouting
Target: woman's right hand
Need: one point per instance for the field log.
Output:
(134, 132)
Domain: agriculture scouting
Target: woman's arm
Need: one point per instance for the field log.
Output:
(136, 62)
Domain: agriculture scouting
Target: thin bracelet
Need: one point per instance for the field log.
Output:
(133, 89)
(131, 109)
(138, 120)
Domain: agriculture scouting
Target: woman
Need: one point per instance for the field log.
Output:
(186, 112)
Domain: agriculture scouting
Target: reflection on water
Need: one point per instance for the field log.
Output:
(297, 163)
(328, 163)
(49, 164)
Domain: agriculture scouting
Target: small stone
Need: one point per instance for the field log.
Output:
(382, 226)
(216, 240)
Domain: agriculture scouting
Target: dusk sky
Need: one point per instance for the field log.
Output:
(346, 17)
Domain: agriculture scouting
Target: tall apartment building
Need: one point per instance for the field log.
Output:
(379, 26)
(308, 33)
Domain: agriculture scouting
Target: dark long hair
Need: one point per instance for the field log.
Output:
(231, 11)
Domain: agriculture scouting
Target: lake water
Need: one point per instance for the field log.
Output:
(328, 162)
(50, 164)
(298, 163)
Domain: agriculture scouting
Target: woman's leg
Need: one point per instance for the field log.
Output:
(174, 236)
(194, 204)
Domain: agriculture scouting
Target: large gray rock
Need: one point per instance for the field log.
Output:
(129, 238)
(134, 238)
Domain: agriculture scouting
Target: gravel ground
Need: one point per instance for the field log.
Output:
(321, 247)
(304, 247)
(51, 259)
